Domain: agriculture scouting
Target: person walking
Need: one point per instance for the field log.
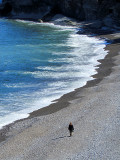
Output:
(71, 129)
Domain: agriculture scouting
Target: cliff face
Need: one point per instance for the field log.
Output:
(90, 9)
(79, 9)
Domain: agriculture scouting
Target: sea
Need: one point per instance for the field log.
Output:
(40, 62)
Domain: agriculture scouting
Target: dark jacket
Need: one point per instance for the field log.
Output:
(71, 128)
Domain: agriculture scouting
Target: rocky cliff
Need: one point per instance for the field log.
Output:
(79, 9)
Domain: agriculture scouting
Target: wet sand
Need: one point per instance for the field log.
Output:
(94, 111)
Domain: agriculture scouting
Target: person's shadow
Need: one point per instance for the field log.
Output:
(60, 137)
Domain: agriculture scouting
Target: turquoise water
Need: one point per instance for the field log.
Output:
(41, 62)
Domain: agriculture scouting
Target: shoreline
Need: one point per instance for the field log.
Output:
(63, 101)
(104, 69)
(102, 72)
(52, 107)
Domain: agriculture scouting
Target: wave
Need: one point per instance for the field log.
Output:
(53, 69)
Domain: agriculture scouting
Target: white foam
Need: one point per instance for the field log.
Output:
(46, 24)
(12, 117)
(19, 85)
(24, 113)
(82, 59)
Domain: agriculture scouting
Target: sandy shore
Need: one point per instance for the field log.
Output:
(94, 111)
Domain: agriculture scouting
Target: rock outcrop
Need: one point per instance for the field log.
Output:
(79, 9)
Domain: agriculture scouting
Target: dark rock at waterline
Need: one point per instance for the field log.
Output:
(79, 9)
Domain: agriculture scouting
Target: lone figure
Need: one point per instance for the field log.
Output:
(71, 129)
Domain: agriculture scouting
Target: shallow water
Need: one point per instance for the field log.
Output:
(41, 62)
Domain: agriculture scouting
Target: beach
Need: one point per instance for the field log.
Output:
(93, 110)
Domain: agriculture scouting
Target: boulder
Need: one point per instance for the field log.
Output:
(40, 20)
